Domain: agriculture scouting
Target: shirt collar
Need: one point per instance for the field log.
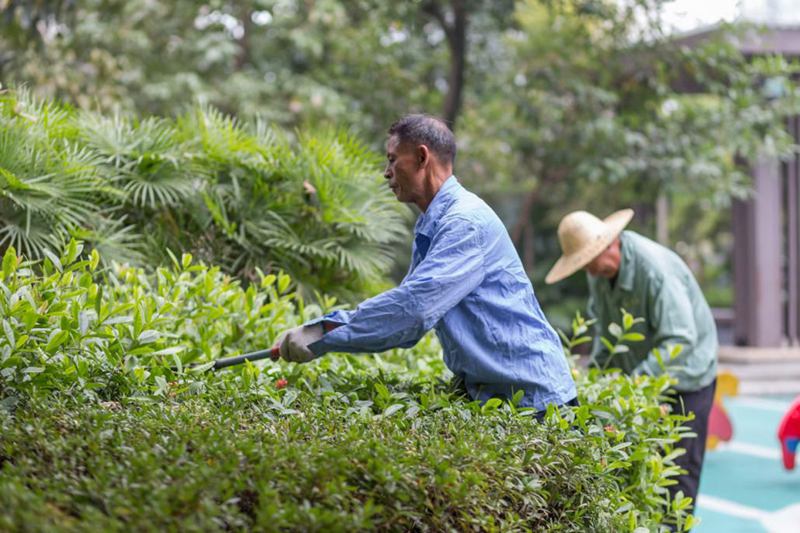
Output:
(427, 221)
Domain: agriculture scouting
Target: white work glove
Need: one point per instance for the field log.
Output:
(294, 343)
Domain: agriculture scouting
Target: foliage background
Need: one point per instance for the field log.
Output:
(557, 104)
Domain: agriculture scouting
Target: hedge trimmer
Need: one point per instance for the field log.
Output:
(272, 353)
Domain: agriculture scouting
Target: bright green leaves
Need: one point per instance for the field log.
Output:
(130, 337)
(56, 339)
(621, 335)
(72, 252)
(81, 329)
(10, 262)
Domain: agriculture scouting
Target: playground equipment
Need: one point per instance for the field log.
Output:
(789, 434)
(720, 428)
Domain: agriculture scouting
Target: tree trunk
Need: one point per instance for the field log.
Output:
(455, 31)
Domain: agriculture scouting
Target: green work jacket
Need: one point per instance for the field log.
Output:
(655, 284)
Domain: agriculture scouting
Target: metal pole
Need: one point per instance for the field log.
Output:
(272, 353)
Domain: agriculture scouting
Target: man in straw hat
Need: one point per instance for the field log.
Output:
(465, 281)
(628, 271)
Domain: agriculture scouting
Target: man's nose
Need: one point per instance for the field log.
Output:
(387, 172)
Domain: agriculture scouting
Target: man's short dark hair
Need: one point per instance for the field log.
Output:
(427, 130)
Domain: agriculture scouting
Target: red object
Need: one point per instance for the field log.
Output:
(789, 434)
(275, 353)
(719, 424)
(281, 383)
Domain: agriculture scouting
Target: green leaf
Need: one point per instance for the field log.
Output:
(675, 351)
(659, 358)
(84, 318)
(283, 283)
(492, 404)
(57, 338)
(147, 336)
(98, 300)
(517, 397)
(186, 260)
(607, 344)
(579, 341)
(53, 259)
(94, 259)
(21, 341)
(73, 250)
(382, 391)
(392, 409)
(9, 262)
(9, 333)
(169, 351)
(627, 321)
(615, 330)
(633, 337)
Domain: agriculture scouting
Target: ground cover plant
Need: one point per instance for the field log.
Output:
(106, 426)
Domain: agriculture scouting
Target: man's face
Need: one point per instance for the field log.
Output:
(403, 170)
(605, 265)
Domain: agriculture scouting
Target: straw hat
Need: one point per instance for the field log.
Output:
(583, 237)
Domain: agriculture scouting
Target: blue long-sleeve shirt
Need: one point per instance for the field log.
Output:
(465, 280)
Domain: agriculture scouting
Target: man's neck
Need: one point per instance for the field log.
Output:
(432, 185)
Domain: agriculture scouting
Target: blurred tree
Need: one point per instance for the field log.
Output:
(590, 110)
(362, 62)
(560, 104)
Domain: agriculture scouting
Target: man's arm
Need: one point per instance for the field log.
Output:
(672, 318)
(452, 268)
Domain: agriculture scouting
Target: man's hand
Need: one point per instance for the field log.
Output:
(294, 343)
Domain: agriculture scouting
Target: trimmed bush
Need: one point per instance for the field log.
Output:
(104, 426)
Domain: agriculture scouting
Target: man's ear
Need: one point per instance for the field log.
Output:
(423, 155)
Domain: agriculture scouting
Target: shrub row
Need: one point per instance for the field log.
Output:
(105, 427)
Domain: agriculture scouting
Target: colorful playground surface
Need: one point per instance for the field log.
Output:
(744, 487)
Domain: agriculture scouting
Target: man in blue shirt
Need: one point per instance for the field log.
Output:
(465, 280)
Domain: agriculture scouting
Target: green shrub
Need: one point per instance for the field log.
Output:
(104, 427)
(237, 194)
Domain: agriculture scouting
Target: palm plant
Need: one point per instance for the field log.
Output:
(244, 196)
(316, 209)
(47, 180)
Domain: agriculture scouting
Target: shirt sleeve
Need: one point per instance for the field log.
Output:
(398, 318)
(672, 319)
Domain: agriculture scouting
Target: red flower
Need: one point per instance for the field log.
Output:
(281, 383)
